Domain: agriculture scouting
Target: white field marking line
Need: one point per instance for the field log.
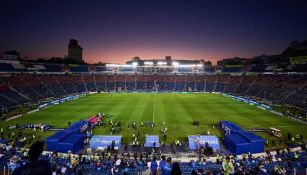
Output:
(143, 104)
(146, 100)
(153, 109)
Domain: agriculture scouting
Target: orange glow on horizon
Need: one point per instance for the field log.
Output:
(121, 55)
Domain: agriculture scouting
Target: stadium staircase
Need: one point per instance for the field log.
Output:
(293, 92)
(215, 82)
(31, 88)
(249, 87)
(75, 88)
(226, 83)
(19, 93)
(82, 81)
(95, 83)
(257, 94)
(49, 90)
(237, 85)
(59, 84)
(9, 98)
(205, 83)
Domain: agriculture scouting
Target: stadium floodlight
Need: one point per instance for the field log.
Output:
(161, 63)
(187, 65)
(175, 64)
(134, 64)
(199, 65)
(148, 62)
(112, 65)
(125, 65)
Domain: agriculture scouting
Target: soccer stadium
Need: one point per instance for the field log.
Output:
(204, 114)
(154, 108)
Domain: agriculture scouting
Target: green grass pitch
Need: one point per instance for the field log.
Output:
(178, 111)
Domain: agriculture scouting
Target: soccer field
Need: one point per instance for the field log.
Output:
(177, 110)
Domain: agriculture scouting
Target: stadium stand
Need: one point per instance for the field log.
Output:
(106, 162)
(274, 88)
(52, 81)
(100, 68)
(232, 68)
(78, 68)
(5, 67)
(52, 68)
(259, 68)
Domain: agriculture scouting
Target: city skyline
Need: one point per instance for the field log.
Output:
(116, 31)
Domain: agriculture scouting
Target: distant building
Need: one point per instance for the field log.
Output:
(168, 61)
(232, 61)
(10, 55)
(75, 51)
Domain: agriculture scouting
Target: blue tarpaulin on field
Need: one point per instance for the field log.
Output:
(59, 135)
(244, 142)
(152, 141)
(79, 127)
(196, 141)
(229, 127)
(70, 139)
(239, 141)
(64, 141)
(102, 142)
(53, 140)
(73, 142)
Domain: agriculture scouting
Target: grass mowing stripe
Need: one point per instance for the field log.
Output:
(176, 110)
(153, 109)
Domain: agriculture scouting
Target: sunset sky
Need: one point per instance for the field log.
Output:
(117, 30)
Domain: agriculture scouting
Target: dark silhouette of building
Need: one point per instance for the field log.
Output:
(75, 51)
(10, 55)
